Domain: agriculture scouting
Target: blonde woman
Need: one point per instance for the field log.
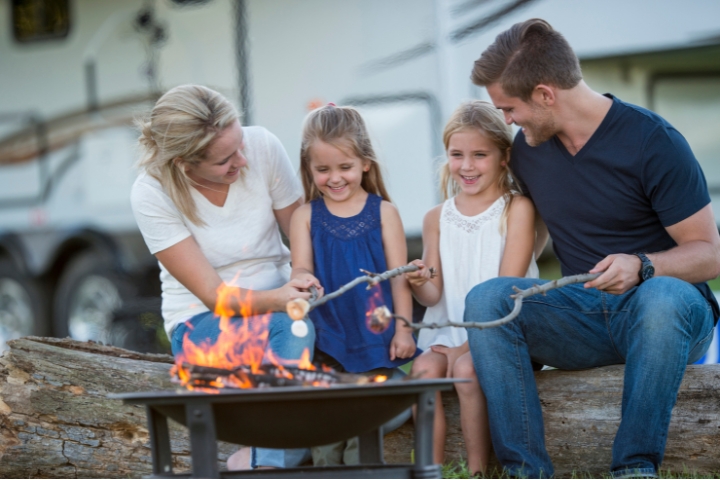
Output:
(210, 201)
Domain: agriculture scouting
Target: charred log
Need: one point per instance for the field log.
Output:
(56, 420)
(581, 411)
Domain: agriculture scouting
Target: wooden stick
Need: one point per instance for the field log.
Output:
(297, 309)
(519, 295)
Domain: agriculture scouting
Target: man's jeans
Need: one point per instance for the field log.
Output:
(655, 329)
(205, 327)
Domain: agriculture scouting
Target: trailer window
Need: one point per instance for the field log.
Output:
(35, 20)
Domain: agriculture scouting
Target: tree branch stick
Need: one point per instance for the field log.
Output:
(519, 295)
(297, 309)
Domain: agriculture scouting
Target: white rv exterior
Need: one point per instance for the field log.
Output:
(67, 237)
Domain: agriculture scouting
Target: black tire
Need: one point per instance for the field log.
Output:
(23, 304)
(89, 292)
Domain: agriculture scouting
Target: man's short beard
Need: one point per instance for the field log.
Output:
(542, 127)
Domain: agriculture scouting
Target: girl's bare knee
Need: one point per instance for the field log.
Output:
(429, 365)
(464, 367)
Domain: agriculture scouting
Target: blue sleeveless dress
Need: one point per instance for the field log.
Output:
(341, 247)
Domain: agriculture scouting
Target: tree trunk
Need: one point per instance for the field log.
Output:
(56, 420)
(581, 411)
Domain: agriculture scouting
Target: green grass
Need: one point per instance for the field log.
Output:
(460, 470)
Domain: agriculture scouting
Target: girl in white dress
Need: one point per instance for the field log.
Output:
(484, 230)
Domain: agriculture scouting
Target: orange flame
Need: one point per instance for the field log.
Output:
(242, 342)
(375, 318)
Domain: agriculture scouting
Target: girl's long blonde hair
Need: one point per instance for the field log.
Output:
(344, 128)
(178, 133)
(482, 116)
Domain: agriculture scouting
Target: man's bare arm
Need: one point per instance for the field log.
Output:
(695, 259)
(697, 256)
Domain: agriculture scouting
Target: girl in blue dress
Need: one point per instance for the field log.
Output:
(348, 224)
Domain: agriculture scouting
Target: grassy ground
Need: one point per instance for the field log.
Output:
(460, 470)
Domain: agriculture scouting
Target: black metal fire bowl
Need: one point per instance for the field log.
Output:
(290, 417)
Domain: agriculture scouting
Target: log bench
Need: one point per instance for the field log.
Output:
(57, 422)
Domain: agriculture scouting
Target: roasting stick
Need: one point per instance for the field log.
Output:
(298, 309)
(518, 296)
(299, 328)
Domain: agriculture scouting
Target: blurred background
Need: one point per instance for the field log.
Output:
(75, 73)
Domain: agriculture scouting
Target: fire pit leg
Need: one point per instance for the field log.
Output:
(159, 442)
(203, 439)
(371, 448)
(424, 419)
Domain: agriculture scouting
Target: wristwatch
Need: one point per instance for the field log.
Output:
(647, 270)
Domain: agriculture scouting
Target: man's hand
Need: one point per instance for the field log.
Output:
(621, 273)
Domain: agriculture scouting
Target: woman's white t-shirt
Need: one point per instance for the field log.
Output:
(241, 239)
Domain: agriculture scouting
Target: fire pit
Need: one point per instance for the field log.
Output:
(293, 417)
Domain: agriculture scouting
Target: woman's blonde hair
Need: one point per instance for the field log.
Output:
(344, 128)
(178, 133)
(482, 116)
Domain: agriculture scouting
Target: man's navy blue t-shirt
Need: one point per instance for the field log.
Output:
(634, 177)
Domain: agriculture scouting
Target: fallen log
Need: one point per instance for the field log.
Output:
(581, 411)
(57, 422)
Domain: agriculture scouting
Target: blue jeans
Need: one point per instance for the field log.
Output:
(285, 345)
(655, 329)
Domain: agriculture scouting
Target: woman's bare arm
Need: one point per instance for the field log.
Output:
(284, 216)
(186, 262)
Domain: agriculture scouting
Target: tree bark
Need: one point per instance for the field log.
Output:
(56, 420)
(581, 412)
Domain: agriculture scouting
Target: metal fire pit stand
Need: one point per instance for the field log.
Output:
(209, 418)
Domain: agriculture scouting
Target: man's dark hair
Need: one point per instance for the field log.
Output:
(526, 55)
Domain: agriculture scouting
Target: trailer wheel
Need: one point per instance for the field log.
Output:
(89, 292)
(23, 307)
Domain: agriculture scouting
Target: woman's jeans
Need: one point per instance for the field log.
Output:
(655, 329)
(284, 345)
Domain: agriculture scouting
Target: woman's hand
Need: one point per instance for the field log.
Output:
(452, 354)
(402, 345)
(420, 277)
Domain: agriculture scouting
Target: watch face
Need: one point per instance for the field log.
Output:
(647, 272)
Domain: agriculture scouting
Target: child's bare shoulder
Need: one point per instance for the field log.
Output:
(387, 208)
(303, 212)
(432, 217)
(521, 206)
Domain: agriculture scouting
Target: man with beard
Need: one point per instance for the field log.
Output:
(621, 194)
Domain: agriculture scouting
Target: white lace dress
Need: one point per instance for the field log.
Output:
(471, 249)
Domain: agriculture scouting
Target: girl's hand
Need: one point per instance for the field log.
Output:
(292, 290)
(419, 277)
(402, 345)
(452, 354)
(310, 280)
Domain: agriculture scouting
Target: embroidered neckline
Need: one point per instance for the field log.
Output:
(452, 216)
(347, 228)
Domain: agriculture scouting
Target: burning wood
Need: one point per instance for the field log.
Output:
(199, 377)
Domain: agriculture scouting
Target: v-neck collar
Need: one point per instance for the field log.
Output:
(204, 199)
(598, 133)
